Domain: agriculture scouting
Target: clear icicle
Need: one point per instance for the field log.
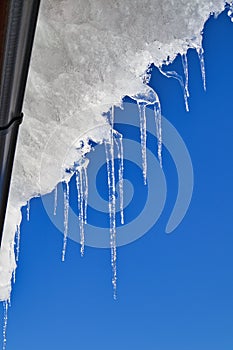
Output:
(186, 73)
(66, 218)
(5, 319)
(142, 117)
(144, 99)
(28, 210)
(200, 52)
(120, 154)
(17, 242)
(82, 190)
(158, 124)
(175, 75)
(80, 207)
(55, 201)
(85, 192)
(17, 249)
(109, 150)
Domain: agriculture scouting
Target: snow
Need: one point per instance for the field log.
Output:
(87, 56)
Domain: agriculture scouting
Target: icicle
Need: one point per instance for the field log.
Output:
(55, 201)
(109, 150)
(143, 99)
(85, 193)
(17, 242)
(175, 75)
(119, 143)
(186, 73)
(200, 52)
(28, 210)
(66, 218)
(158, 124)
(5, 319)
(142, 117)
(81, 183)
(17, 249)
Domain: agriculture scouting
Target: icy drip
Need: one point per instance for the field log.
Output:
(109, 150)
(5, 319)
(186, 73)
(120, 155)
(144, 99)
(17, 243)
(200, 52)
(82, 190)
(175, 75)
(17, 249)
(66, 217)
(85, 193)
(55, 201)
(158, 124)
(28, 210)
(142, 119)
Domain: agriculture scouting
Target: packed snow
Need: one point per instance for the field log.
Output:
(87, 56)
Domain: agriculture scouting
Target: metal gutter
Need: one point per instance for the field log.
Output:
(18, 20)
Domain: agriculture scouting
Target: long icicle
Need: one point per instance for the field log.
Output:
(186, 73)
(5, 320)
(142, 118)
(158, 124)
(109, 150)
(66, 218)
(17, 249)
(120, 154)
(80, 191)
(200, 52)
(85, 193)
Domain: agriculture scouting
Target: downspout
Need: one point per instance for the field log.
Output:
(18, 20)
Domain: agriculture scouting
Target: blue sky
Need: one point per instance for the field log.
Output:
(174, 291)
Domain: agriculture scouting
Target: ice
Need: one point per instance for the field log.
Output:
(200, 52)
(109, 150)
(5, 320)
(158, 123)
(184, 60)
(87, 56)
(28, 210)
(114, 137)
(66, 218)
(17, 236)
(148, 97)
(175, 75)
(118, 139)
(82, 190)
(142, 119)
(17, 243)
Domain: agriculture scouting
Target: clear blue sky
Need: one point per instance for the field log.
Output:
(175, 292)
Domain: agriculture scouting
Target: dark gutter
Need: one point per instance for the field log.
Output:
(18, 20)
